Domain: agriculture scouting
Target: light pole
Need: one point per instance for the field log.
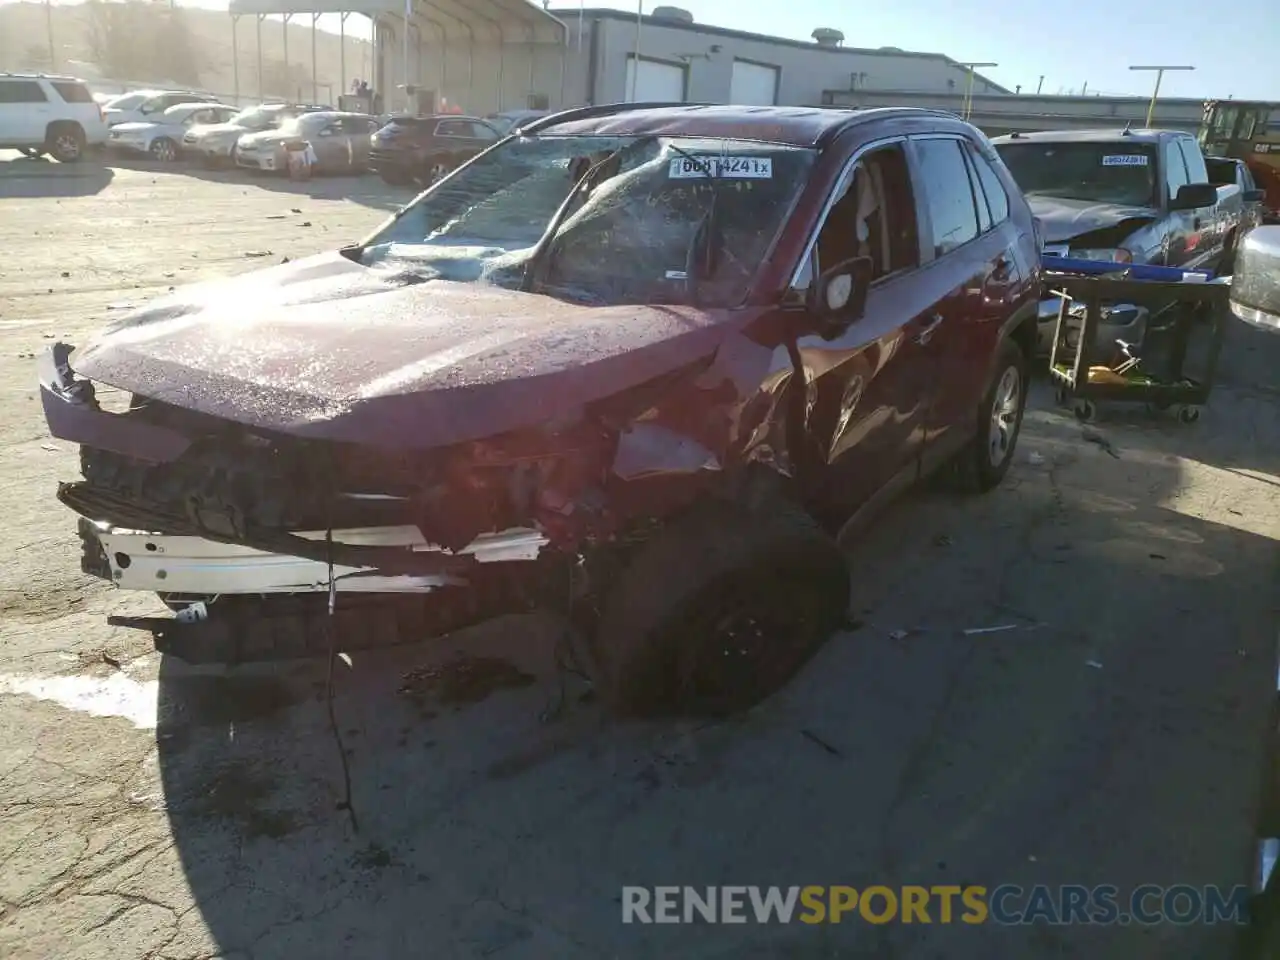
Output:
(48, 26)
(1159, 70)
(968, 88)
(635, 57)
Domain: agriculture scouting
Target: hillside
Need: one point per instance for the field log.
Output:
(139, 43)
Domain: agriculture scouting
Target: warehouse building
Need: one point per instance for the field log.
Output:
(617, 56)
(492, 55)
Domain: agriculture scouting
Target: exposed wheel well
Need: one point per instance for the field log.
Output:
(59, 125)
(1025, 335)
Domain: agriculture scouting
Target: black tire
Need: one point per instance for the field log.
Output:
(435, 170)
(163, 150)
(976, 469)
(772, 572)
(65, 142)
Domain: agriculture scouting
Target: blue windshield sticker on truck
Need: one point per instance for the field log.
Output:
(736, 168)
(1125, 160)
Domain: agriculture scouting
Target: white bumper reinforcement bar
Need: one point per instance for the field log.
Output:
(165, 564)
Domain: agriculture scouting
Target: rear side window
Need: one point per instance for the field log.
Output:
(21, 91)
(1175, 169)
(73, 92)
(989, 186)
(944, 179)
(1194, 159)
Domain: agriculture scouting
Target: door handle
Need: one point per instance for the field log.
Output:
(925, 335)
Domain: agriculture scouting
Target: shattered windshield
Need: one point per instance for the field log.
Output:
(1119, 173)
(646, 213)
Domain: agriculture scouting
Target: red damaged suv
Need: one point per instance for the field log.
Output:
(642, 360)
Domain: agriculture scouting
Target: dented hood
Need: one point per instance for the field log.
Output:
(325, 347)
(1064, 219)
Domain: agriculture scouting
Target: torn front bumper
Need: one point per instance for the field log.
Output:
(72, 413)
(136, 560)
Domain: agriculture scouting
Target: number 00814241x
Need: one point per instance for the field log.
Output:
(738, 168)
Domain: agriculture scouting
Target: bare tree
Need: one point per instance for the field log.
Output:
(142, 40)
(36, 57)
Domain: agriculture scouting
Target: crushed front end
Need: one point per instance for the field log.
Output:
(422, 541)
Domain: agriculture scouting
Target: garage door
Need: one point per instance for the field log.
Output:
(753, 84)
(657, 81)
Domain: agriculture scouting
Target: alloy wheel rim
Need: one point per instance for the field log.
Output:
(1004, 416)
(164, 151)
(67, 145)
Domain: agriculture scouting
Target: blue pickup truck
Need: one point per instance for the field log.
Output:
(1123, 196)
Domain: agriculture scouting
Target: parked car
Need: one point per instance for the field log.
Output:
(216, 143)
(1228, 172)
(510, 120)
(340, 142)
(160, 138)
(423, 149)
(671, 349)
(1126, 196)
(42, 114)
(139, 106)
(1255, 288)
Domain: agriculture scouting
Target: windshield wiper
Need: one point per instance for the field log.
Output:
(540, 259)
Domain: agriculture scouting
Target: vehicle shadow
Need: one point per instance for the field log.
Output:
(1105, 728)
(366, 190)
(23, 177)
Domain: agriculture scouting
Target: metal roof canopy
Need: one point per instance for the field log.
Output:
(500, 21)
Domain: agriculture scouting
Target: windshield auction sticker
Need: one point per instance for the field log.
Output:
(1125, 160)
(735, 168)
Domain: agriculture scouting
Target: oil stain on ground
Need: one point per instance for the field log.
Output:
(239, 793)
(461, 681)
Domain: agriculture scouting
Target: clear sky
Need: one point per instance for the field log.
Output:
(1235, 48)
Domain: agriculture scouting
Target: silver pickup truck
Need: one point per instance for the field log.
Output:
(1128, 196)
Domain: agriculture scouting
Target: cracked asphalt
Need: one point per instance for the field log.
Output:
(1112, 732)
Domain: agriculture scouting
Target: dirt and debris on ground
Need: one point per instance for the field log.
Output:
(462, 680)
(151, 810)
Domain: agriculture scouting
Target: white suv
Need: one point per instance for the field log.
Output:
(42, 114)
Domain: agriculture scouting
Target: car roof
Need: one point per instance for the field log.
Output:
(398, 117)
(193, 105)
(60, 78)
(336, 114)
(790, 126)
(1106, 135)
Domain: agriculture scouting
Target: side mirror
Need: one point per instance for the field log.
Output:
(1194, 196)
(839, 294)
(1254, 196)
(1255, 279)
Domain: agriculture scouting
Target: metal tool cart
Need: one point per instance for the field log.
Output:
(1157, 309)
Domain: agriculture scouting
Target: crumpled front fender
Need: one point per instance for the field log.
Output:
(72, 412)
